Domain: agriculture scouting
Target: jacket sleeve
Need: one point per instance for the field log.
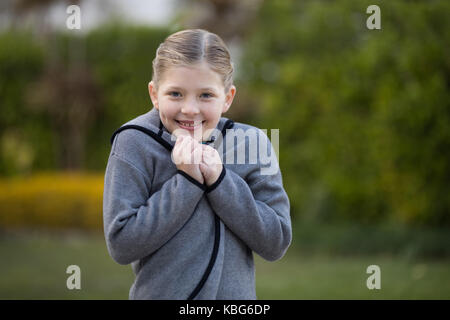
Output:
(136, 224)
(258, 213)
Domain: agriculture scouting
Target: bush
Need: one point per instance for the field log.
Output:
(63, 95)
(54, 200)
(363, 114)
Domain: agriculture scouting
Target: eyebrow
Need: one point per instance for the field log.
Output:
(201, 89)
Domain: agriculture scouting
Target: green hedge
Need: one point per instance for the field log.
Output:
(363, 114)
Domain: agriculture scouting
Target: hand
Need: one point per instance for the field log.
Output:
(211, 165)
(187, 154)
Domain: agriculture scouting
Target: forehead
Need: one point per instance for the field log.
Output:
(191, 77)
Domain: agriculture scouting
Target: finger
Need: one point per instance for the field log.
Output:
(213, 152)
(183, 139)
(183, 152)
(206, 160)
(205, 152)
(213, 157)
(190, 151)
(197, 155)
(179, 145)
(207, 148)
(199, 146)
(179, 139)
(176, 150)
(208, 151)
(192, 143)
(209, 160)
(204, 169)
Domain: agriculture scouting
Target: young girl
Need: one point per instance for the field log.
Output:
(189, 228)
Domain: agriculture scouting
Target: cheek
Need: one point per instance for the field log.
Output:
(212, 115)
(214, 110)
(168, 108)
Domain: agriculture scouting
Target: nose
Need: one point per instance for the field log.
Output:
(190, 108)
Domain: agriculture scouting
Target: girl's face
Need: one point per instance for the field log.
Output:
(191, 100)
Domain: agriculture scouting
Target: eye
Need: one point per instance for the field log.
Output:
(206, 95)
(174, 94)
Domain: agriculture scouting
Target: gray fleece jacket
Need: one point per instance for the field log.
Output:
(162, 221)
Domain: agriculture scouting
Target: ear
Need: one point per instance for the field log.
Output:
(153, 92)
(229, 99)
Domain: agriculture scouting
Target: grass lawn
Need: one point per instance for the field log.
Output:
(33, 266)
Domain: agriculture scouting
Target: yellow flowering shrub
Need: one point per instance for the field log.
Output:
(55, 200)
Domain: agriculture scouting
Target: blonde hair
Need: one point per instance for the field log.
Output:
(188, 47)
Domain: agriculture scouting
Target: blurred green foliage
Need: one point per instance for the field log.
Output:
(121, 58)
(62, 95)
(363, 114)
(21, 61)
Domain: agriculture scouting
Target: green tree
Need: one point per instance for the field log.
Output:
(21, 62)
(363, 114)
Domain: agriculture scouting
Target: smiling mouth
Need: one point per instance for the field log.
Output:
(190, 125)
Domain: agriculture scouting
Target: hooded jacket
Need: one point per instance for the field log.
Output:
(167, 224)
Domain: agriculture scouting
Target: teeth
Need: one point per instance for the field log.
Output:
(189, 124)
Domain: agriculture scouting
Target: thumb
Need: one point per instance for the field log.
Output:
(204, 169)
